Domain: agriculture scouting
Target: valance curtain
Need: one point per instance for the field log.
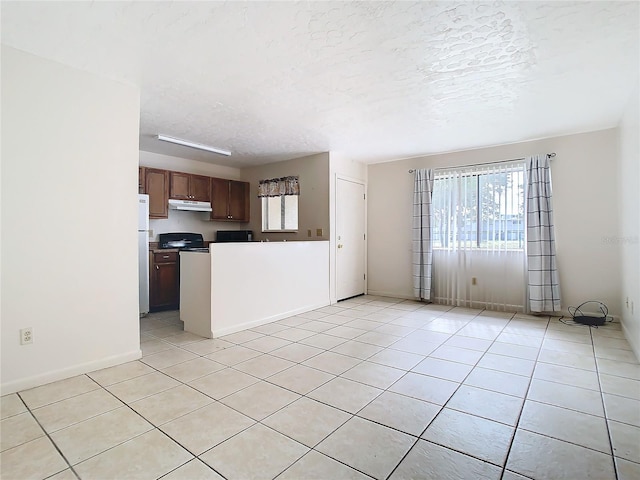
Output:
(277, 187)
(421, 246)
(478, 233)
(543, 287)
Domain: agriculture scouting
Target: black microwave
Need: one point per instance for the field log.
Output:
(234, 236)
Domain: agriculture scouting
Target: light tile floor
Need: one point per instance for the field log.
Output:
(369, 388)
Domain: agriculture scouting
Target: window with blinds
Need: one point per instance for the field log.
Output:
(480, 207)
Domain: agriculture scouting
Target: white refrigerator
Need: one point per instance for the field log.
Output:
(143, 253)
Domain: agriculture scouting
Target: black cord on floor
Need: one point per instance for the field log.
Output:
(575, 324)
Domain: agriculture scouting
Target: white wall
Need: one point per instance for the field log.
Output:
(182, 221)
(629, 232)
(313, 202)
(276, 279)
(585, 189)
(69, 166)
(340, 166)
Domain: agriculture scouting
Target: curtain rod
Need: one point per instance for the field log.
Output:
(549, 155)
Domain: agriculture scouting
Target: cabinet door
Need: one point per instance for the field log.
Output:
(165, 286)
(179, 186)
(219, 199)
(200, 189)
(238, 201)
(141, 183)
(157, 187)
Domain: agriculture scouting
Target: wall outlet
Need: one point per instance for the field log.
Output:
(474, 281)
(309, 233)
(318, 232)
(150, 233)
(26, 336)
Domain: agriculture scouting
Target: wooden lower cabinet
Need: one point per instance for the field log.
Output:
(164, 284)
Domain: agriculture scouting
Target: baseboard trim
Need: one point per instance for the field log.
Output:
(380, 293)
(273, 318)
(64, 373)
(633, 342)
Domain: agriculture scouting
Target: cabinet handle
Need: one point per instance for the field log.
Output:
(157, 267)
(165, 256)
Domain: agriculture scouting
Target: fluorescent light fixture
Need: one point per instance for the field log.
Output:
(199, 146)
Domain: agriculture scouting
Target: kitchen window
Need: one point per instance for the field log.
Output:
(279, 204)
(280, 213)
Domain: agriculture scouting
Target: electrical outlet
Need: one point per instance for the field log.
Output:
(26, 336)
(309, 233)
(319, 232)
(474, 281)
(150, 233)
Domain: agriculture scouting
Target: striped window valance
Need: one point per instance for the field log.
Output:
(277, 187)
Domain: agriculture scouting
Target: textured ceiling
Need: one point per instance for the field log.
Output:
(375, 81)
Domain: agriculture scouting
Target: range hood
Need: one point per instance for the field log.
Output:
(189, 205)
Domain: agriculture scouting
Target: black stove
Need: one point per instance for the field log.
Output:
(184, 241)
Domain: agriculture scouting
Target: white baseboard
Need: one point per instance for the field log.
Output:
(54, 376)
(380, 293)
(634, 342)
(273, 318)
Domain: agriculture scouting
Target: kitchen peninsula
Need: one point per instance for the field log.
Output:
(242, 285)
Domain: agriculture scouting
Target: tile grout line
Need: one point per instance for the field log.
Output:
(517, 425)
(604, 408)
(260, 421)
(331, 406)
(157, 427)
(49, 437)
(444, 405)
(361, 361)
(325, 350)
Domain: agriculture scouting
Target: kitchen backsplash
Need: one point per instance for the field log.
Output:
(196, 222)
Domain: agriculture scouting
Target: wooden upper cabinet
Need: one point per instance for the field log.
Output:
(141, 185)
(157, 187)
(229, 200)
(185, 186)
(219, 199)
(179, 185)
(200, 188)
(238, 201)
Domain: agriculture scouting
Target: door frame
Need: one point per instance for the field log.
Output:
(334, 232)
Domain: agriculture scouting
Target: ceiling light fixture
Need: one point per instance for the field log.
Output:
(199, 146)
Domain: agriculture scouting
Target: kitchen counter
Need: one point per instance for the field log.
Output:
(242, 285)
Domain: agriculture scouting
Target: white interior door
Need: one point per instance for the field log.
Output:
(350, 239)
